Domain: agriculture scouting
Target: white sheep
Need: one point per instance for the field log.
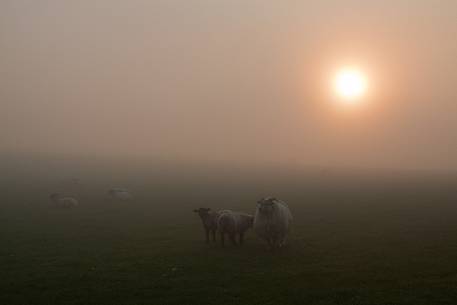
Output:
(120, 194)
(209, 221)
(272, 221)
(233, 224)
(63, 202)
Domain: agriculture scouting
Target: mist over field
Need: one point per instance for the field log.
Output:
(359, 236)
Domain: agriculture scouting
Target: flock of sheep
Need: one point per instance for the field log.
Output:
(271, 222)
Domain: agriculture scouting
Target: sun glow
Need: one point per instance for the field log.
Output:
(350, 84)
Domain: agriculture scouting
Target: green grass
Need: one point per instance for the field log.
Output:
(360, 242)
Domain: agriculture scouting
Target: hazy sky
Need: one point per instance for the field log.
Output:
(232, 81)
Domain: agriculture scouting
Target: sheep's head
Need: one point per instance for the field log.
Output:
(202, 212)
(266, 205)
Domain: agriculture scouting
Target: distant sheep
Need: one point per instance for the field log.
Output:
(272, 221)
(120, 194)
(233, 224)
(209, 221)
(63, 202)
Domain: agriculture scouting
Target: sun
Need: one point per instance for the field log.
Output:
(350, 84)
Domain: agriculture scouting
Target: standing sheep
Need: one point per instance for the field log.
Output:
(272, 221)
(233, 223)
(209, 221)
(63, 202)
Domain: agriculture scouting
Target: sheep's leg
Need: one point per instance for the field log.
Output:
(223, 239)
(232, 239)
(207, 235)
(214, 235)
(241, 238)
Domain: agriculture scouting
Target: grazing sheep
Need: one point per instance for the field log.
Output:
(233, 223)
(272, 221)
(120, 194)
(209, 221)
(63, 202)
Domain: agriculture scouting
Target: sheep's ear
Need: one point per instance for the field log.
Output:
(196, 211)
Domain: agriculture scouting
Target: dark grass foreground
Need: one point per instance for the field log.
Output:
(361, 243)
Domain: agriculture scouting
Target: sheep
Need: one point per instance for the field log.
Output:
(209, 221)
(233, 223)
(120, 194)
(272, 221)
(63, 202)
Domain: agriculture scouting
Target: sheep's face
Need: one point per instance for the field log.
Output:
(202, 212)
(266, 205)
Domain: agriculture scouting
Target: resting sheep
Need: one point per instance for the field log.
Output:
(209, 221)
(120, 194)
(63, 202)
(233, 224)
(272, 221)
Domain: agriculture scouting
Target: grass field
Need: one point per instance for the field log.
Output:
(357, 238)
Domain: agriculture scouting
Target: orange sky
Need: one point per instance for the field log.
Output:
(230, 80)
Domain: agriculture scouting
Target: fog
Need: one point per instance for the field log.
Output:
(229, 82)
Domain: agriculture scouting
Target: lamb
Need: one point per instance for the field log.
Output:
(209, 221)
(233, 223)
(63, 202)
(272, 221)
(120, 194)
